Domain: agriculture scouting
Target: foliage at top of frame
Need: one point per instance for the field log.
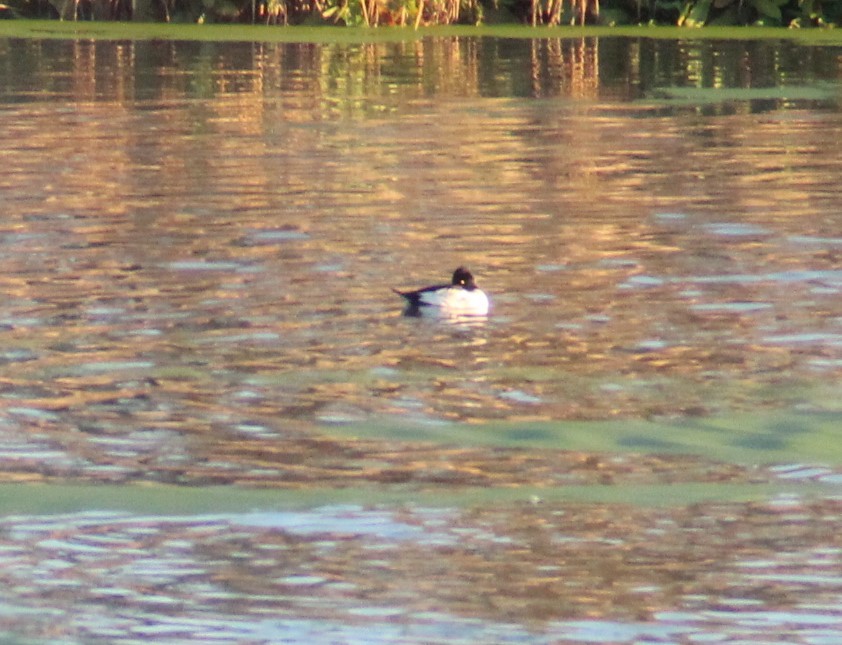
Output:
(686, 13)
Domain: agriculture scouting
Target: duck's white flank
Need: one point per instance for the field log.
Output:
(456, 301)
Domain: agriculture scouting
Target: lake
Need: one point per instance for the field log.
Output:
(216, 425)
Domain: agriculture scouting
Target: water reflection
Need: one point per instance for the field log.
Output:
(365, 78)
(196, 256)
(532, 573)
(209, 227)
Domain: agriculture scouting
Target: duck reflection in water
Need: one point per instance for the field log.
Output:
(461, 298)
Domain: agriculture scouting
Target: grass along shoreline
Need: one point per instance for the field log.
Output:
(108, 30)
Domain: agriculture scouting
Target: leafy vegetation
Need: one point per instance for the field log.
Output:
(371, 13)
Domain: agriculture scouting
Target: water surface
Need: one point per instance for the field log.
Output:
(197, 248)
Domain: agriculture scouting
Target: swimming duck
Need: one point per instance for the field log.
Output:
(461, 297)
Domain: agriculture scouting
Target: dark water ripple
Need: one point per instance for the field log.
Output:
(429, 575)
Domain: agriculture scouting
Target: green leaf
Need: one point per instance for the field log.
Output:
(698, 15)
(726, 18)
(768, 8)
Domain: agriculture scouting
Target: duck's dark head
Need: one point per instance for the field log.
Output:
(463, 278)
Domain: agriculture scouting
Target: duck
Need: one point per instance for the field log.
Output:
(462, 297)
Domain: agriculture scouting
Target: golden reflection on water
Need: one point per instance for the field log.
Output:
(196, 257)
(188, 235)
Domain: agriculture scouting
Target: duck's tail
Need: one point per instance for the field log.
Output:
(411, 297)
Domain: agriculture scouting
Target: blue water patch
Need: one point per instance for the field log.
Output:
(211, 265)
(731, 307)
(642, 282)
(608, 631)
(735, 229)
(827, 279)
(670, 217)
(519, 396)
(821, 241)
(340, 520)
(278, 235)
(804, 339)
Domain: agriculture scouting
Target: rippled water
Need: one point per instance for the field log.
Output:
(197, 251)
